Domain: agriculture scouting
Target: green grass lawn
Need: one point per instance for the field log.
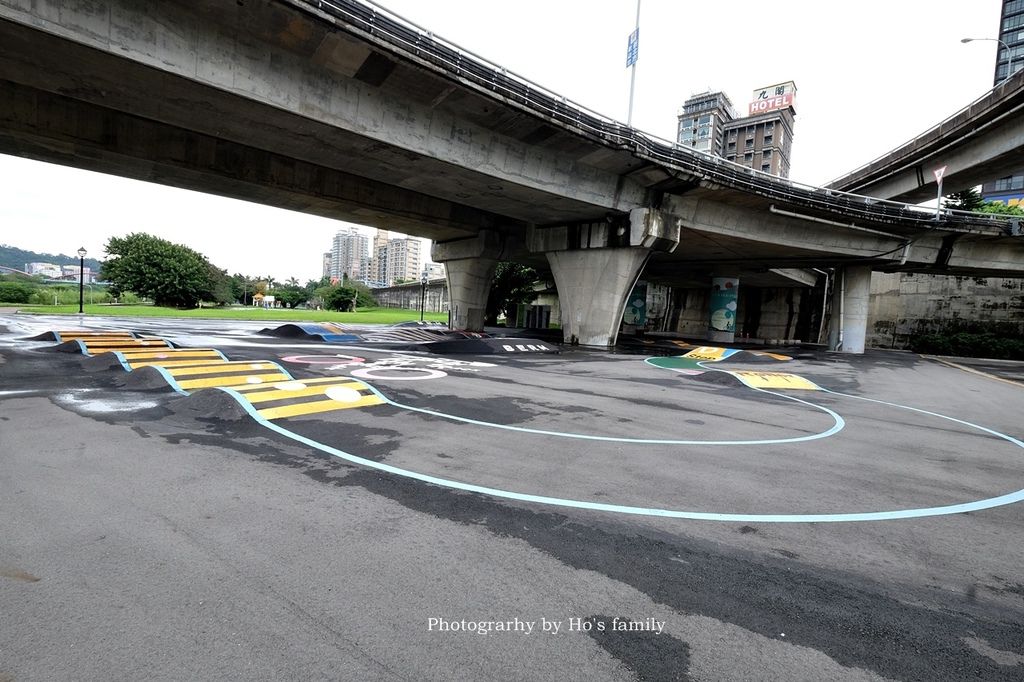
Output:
(361, 316)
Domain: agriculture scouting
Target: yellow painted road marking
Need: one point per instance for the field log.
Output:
(70, 335)
(318, 406)
(201, 367)
(196, 361)
(706, 353)
(271, 392)
(141, 353)
(94, 348)
(341, 381)
(773, 356)
(339, 393)
(774, 380)
(232, 380)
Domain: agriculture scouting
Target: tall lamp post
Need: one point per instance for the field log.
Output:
(1009, 55)
(423, 292)
(81, 279)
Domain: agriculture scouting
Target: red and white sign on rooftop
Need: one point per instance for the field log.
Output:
(772, 97)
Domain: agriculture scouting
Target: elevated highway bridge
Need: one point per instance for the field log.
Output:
(343, 110)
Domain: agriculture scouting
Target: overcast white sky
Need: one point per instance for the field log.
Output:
(870, 75)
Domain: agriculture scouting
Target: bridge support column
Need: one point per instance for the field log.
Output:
(722, 309)
(469, 267)
(592, 288)
(850, 297)
(595, 266)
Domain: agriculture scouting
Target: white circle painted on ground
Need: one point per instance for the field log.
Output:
(383, 373)
(290, 386)
(343, 394)
(253, 380)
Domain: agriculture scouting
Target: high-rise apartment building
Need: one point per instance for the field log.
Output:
(403, 260)
(350, 255)
(379, 258)
(702, 122)
(1008, 189)
(327, 264)
(762, 140)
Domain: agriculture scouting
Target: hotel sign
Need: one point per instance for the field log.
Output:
(772, 97)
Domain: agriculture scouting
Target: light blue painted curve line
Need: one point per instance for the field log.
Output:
(837, 426)
(1009, 498)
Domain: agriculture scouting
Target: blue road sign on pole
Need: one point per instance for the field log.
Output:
(633, 47)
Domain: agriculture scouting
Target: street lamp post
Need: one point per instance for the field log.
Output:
(423, 292)
(1009, 55)
(81, 279)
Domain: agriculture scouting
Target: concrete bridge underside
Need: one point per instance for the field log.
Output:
(279, 103)
(982, 141)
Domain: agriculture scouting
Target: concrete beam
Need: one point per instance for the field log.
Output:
(735, 221)
(291, 61)
(49, 127)
(800, 276)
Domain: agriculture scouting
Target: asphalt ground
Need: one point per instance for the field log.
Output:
(148, 534)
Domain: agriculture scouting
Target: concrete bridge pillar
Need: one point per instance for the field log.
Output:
(851, 294)
(592, 288)
(722, 309)
(595, 266)
(469, 267)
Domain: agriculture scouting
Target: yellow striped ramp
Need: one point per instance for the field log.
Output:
(74, 335)
(307, 396)
(96, 346)
(169, 357)
(225, 373)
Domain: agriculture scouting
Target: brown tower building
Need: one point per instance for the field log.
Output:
(762, 140)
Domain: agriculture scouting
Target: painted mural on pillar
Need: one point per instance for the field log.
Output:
(636, 306)
(724, 292)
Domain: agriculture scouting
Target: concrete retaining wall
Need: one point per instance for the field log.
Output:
(903, 305)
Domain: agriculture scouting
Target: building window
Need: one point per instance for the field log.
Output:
(732, 134)
(766, 167)
(731, 146)
(769, 126)
(766, 154)
(750, 143)
(748, 156)
(767, 139)
(731, 157)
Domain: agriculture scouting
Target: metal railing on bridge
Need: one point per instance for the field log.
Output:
(476, 71)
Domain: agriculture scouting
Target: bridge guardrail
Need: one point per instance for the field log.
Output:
(406, 37)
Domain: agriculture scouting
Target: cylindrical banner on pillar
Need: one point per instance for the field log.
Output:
(723, 303)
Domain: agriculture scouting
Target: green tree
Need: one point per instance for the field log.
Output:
(169, 274)
(966, 200)
(342, 296)
(290, 294)
(512, 284)
(999, 208)
(16, 292)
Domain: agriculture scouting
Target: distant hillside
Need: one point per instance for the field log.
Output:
(13, 257)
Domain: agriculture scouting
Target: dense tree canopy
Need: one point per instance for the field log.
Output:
(512, 284)
(169, 274)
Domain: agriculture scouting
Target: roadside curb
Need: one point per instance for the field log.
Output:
(973, 371)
